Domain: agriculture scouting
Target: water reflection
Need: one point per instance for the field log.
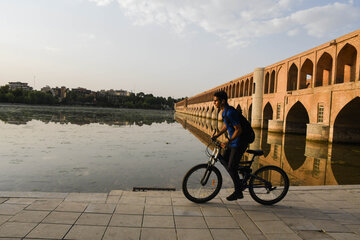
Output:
(20, 114)
(306, 162)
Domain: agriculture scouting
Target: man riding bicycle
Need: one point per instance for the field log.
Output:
(235, 147)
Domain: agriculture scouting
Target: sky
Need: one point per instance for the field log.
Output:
(175, 48)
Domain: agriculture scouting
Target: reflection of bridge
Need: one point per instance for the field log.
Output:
(306, 162)
(316, 93)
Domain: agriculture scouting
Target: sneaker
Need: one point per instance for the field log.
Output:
(234, 196)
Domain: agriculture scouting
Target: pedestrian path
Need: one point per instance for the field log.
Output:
(331, 212)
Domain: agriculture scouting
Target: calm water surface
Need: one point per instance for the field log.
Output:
(67, 149)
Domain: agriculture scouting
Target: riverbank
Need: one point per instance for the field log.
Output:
(330, 212)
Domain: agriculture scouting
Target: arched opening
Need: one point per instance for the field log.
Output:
(238, 107)
(294, 148)
(229, 95)
(292, 78)
(323, 70)
(249, 113)
(264, 143)
(247, 87)
(296, 119)
(242, 89)
(251, 86)
(266, 83)
(267, 115)
(346, 64)
(237, 90)
(306, 74)
(347, 123)
(272, 82)
(233, 91)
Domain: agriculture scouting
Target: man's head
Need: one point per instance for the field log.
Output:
(220, 99)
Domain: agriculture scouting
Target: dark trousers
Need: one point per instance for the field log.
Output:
(231, 159)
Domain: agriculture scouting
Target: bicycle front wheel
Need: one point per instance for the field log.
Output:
(269, 185)
(202, 183)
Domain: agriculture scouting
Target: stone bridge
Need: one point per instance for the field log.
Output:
(316, 93)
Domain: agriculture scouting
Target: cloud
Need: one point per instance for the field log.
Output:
(238, 23)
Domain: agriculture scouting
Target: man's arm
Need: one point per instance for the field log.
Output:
(237, 133)
(222, 131)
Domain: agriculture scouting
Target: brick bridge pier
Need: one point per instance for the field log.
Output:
(316, 93)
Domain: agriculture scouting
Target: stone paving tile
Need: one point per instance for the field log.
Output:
(120, 220)
(247, 224)
(354, 228)
(2, 200)
(311, 235)
(257, 237)
(133, 194)
(29, 216)
(80, 232)
(87, 197)
(20, 200)
(215, 211)
(262, 216)
(345, 236)
(157, 234)
(119, 233)
(113, 199)
(283, 236)
(129, 209)
(15, 229)
(71, 207)
(273, 227)
(344, 218)
(132, 200)
(158, 221)
(330, 226)
(187, 211)
(313, 214)
(44, 204)
(158, 201)
(116, 193)
(158, 194)
(181, 201)
(11, 209)
(96, 219)
(62, 217)
(221, 222)
(4, 218)
(100, 208)
(300, 224)
(158, 210)
(190, 222)
(228, 234)
(193, 234)
(288, 213)
(56, 231)
(47, 195)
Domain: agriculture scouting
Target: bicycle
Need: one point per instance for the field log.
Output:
(267, 185)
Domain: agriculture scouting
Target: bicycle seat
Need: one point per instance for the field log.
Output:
(255, 152)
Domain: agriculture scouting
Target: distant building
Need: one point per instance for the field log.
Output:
(17, 85)
(56, 92)
(118, 92)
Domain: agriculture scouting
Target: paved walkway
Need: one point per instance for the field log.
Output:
(306, 213)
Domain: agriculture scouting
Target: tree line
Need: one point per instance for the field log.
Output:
(97, 99)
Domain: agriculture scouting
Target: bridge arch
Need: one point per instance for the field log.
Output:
(306, 74)
(251, 86)
(237, 90)
(292, 78)
(247, 87)
(267, 115)
(346, 64)
(242, 89)
(272, 82)
(347, 123)
(249, 113)
(230, 91)
(233, 91)
(296, 119)
(266, 83)
(324, 70)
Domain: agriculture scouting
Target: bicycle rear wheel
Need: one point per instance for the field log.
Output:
(197, 191)
(268, 185)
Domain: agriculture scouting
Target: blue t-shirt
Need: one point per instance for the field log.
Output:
(234, 119)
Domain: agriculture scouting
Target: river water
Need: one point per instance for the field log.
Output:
(83, 149)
